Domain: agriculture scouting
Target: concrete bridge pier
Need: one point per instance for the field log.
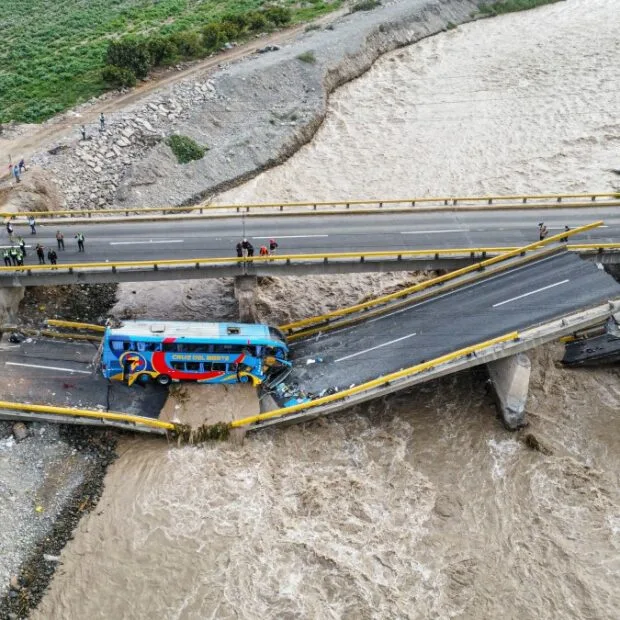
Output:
(10, 297)
(245, 294)
(510, 377)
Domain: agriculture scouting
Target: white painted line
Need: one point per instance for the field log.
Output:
(291, 237)
(385, 344)
(538, 290)
(433, 232)
(16, 246)
(146, 242)
(84, 372)
(453, 291)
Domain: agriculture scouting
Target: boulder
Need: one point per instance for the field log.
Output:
(20, 431)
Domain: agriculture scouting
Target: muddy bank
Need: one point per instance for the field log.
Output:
(252, 115)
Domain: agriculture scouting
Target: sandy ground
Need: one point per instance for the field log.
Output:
(419, 505)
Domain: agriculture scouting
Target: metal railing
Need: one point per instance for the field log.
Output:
(515, 201)
(379, 382)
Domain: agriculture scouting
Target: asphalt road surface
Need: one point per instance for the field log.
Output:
(203, 238)
(61, 373)
(517, 299)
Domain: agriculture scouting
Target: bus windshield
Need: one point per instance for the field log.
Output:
(169, 351)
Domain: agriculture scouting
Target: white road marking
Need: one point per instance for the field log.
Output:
(452, 292)
(84, 372)
(146, 242)
(385, 344)
(538, 290)
(433, 232)
(16, 246)
(291, 237)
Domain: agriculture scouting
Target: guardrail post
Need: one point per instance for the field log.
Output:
(445, 202)
(399, 257)
(155, 268)
(436, 255)
(197, 265)
(90, 214)
(380, 205)
(524, 200)
(126, 213)
(70, 269)
(559, 198)
(593, 198)
(490, 201)
(247, 209)
(113, 268)
(361, 259)
(200, 210)
(472, 255)
(314, 207)
(325, 261)
(281, 208)
(413, 203)
(600, 250)
(348, 205)
(238, 209)
(454, 202)
(288, 261)
(484, 255)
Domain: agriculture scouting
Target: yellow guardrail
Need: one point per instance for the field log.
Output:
(522, 199)
(88, 413)
(369, 385)
(73, 325)
(197, 262)
(426, 284)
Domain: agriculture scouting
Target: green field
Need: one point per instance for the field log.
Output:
(52, 51)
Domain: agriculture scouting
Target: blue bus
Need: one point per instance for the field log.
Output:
(166, 351)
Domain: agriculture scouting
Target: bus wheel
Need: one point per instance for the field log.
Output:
(163, 379)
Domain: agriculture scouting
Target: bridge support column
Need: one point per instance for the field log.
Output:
(9, 303)
(245, 294)
(510, 378)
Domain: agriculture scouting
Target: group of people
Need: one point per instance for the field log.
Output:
(246, 249)
(101, 127)
(17, 169)
(543, 232)
(15, 255)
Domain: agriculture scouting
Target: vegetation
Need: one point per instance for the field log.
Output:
(185, 148)
(510, 6)
(365, 5)
(308, 57)
(53, 54)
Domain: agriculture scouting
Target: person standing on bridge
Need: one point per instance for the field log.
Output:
(80, 240)
(60, 240)
(40, 254)
(543, 231)
(52, 256)
(20, 258)
(9, 231)
(13, 253)
(22, 245)
(239, 249)
(263, 250)
(565, 239)
(33, 225)
(7, 257)
(273, 246)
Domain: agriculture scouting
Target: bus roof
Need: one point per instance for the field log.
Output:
(192, 330)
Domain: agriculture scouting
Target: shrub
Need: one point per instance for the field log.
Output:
(257, 22)
(239, 21)
(365, 5)
(129, 54)
(212, 36)
(230, 30)
(188, 44)
(185, 148)
(307, 57)
(118, 77)
(162, 51)
(278, 15)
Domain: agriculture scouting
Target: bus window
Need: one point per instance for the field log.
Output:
(218, 367)
(193, 366)
(117, 345)
(178, 365)
(126, 345)
(227, 348)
